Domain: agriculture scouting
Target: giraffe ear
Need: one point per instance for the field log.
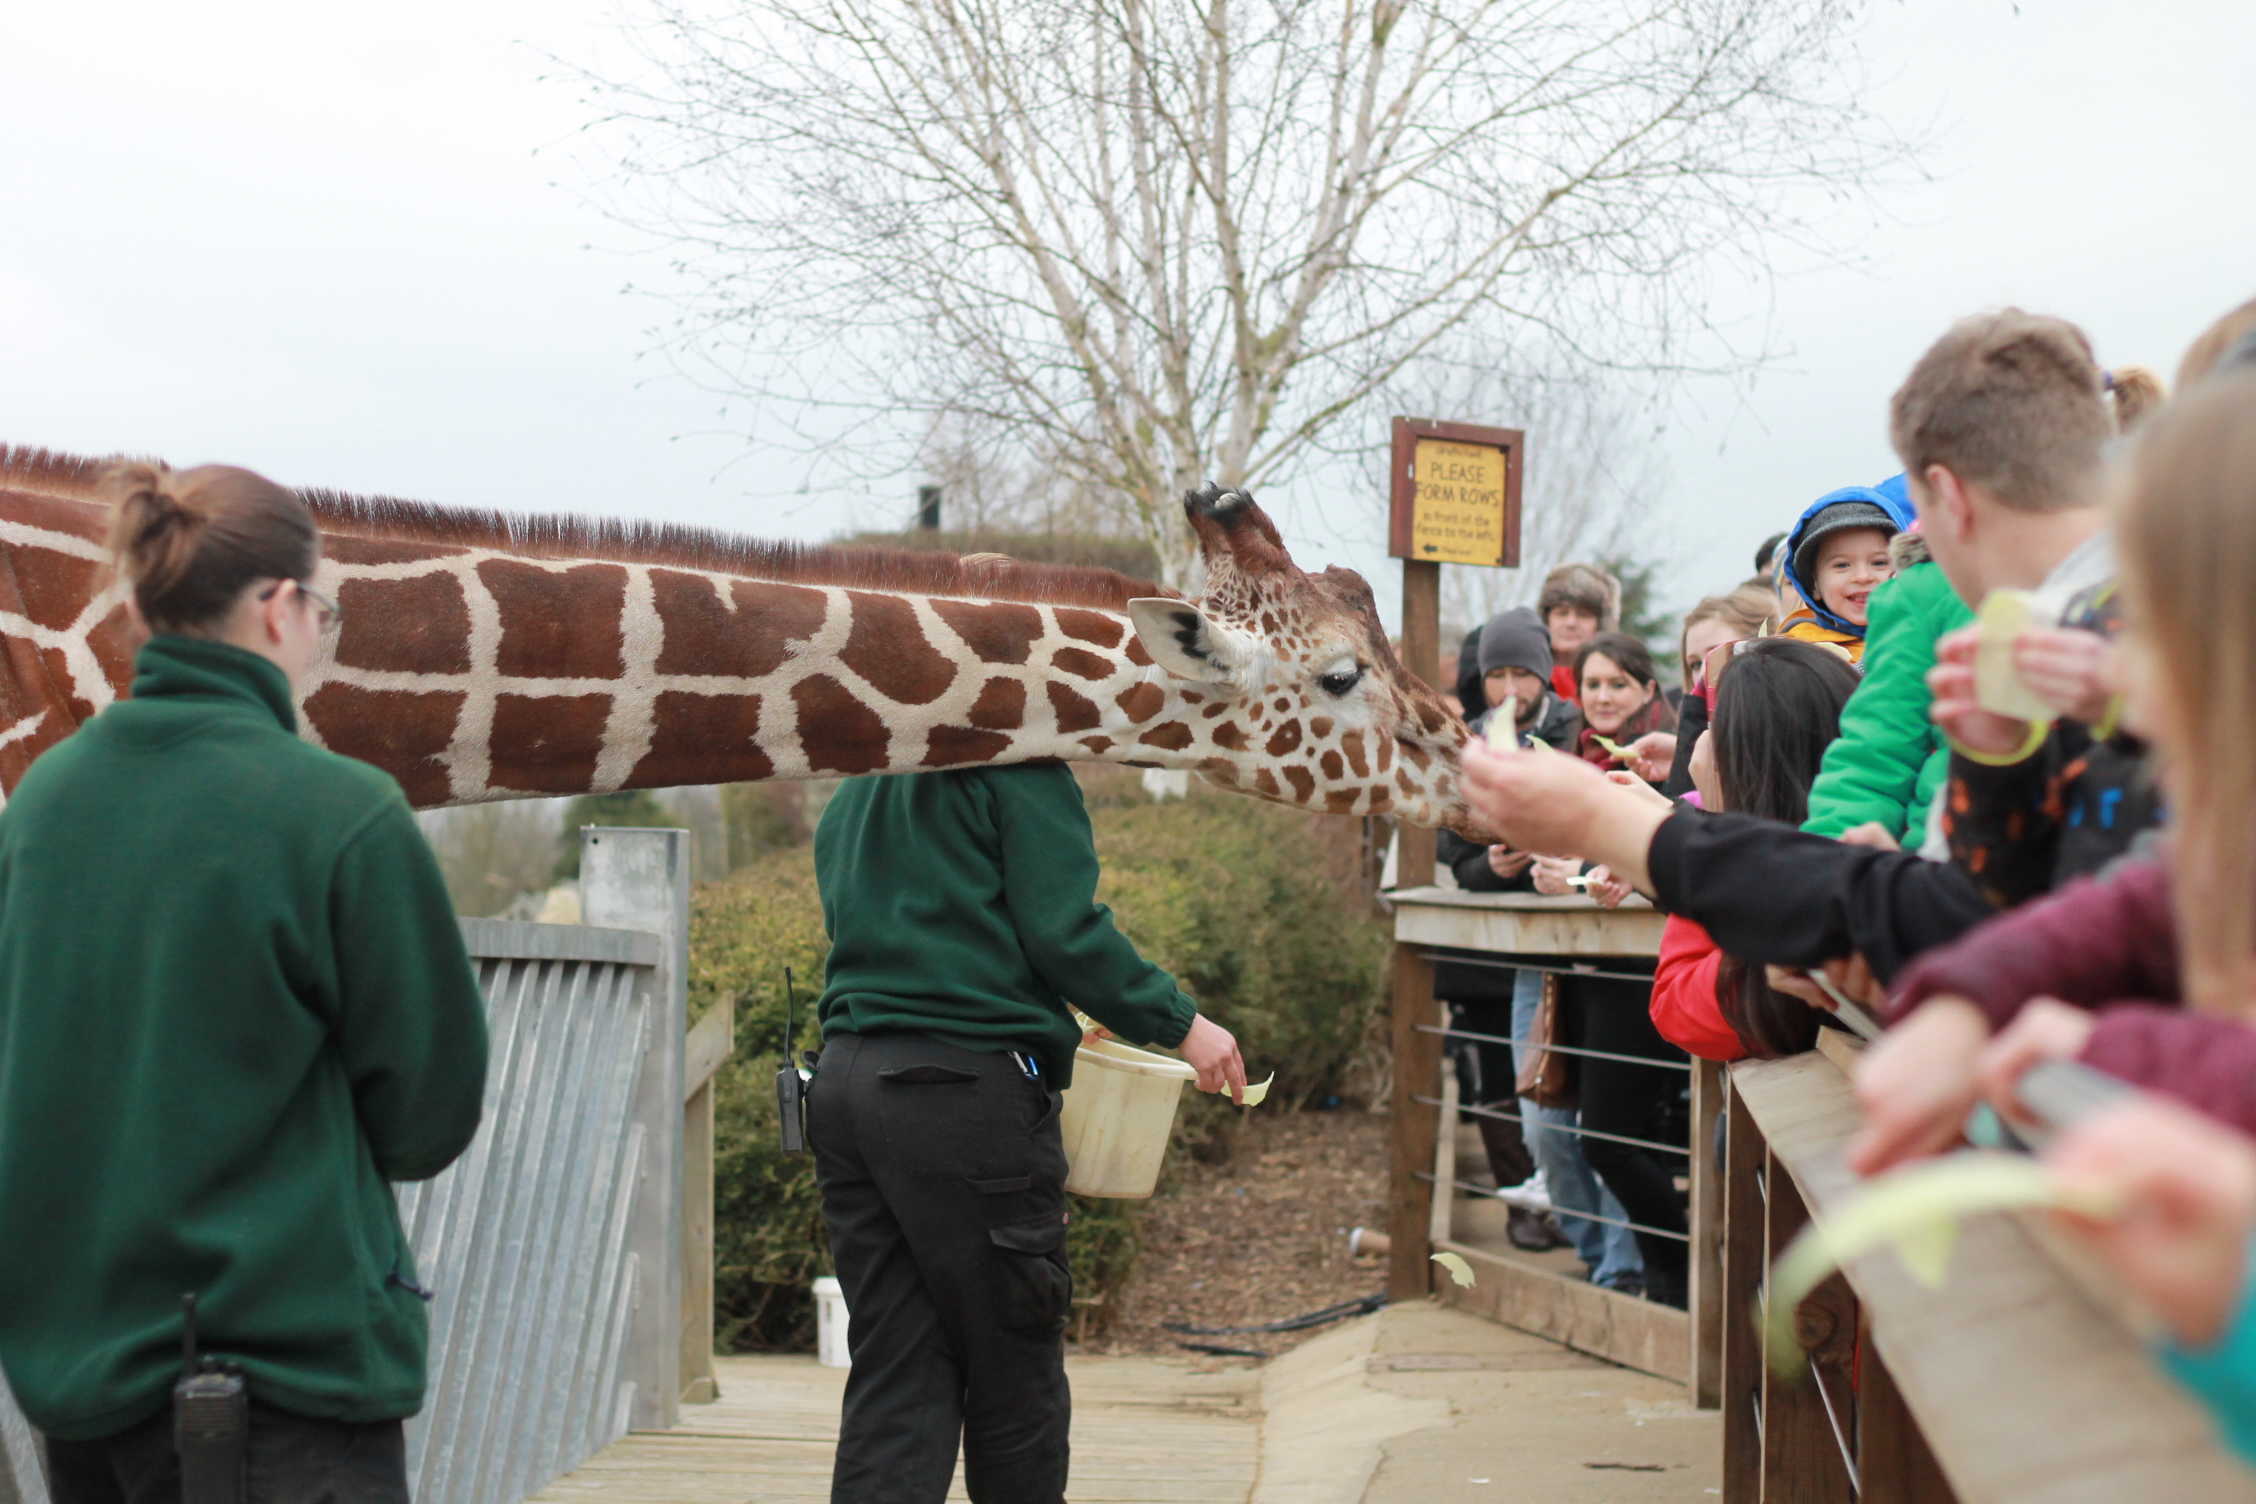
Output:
(1184, 642)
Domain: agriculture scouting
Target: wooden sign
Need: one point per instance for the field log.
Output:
(1455, 493)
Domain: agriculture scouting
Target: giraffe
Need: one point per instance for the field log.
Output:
(486, 656)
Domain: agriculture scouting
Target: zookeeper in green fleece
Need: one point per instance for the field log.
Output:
(234, 1006)
(962, 914)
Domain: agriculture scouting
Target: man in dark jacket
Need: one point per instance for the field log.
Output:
(963, 916)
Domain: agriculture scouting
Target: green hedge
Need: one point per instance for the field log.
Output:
(1235, 897)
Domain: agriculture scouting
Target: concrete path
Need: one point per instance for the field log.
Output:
(1416, 1405)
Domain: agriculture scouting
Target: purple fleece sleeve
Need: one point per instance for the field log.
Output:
(2096, 940)
(2206, 1062)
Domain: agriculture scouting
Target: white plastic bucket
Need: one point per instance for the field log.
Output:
(830, 1324)
(1117, 1116)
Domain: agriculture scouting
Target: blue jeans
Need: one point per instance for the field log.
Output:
(1607, 1250)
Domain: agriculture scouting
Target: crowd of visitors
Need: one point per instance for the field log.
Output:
(1847, 796)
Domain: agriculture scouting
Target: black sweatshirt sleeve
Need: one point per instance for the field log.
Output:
(1770, 894)
(1469, 861)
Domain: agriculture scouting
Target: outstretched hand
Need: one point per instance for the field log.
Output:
(2070, 669)
(2189, 1191)
(1653, 755)
(1547, 803)
(1956, 708)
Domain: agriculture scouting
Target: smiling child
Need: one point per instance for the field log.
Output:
(1836, 557)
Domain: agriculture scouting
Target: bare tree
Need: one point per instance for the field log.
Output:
(1169, 242)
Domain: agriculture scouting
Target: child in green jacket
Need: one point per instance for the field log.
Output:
(1889, 761)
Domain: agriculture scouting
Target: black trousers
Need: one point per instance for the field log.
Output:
(1625, 1098)
(943, 1184)
(292, 1460)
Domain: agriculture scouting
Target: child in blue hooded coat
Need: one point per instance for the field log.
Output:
(1835, 558)
(1889, 761)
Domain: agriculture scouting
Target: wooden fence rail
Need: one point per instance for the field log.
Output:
(2020, 1381)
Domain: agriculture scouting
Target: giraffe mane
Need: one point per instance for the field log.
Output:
(565, 535)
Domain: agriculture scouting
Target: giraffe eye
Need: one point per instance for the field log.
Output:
(1340, 680)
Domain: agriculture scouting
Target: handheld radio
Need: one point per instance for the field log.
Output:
(211, 1421)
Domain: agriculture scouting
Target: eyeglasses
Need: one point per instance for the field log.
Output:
(328, 616)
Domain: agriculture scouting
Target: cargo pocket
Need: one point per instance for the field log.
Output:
(1034, 1288)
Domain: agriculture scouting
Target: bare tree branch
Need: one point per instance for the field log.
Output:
(1155, 242)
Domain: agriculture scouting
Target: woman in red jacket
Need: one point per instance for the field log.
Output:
(1777, 706)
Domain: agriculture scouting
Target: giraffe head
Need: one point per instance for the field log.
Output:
(1295, 679)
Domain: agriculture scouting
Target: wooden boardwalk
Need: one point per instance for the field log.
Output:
(1145, 1431)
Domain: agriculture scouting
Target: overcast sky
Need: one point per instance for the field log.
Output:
(353, 248)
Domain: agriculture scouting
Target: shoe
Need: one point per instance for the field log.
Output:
(1530, 1193)
(1532, 1232)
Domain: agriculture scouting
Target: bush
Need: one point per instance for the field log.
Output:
(1229, 894)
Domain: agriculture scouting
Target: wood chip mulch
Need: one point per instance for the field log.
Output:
(1262, 1237)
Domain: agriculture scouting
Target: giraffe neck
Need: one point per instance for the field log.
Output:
(473, 675)
(472, 672)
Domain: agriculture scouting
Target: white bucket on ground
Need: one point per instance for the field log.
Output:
(830, 1324)
(1117, 1116)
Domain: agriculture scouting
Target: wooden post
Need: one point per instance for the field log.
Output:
(1894, 1463)
(1742, 1288)
(1707, 1237)
(1421, 650)
(703, 1054)
(1417, 1071)
(1801, 1460)
(698, 1386)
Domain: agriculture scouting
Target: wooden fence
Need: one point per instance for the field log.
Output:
(2022, 1379)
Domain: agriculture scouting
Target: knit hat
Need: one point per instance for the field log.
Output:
(1516, 639)
(1585, 587)
(1838, 518)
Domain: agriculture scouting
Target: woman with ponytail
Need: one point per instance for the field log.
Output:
(234, 1006)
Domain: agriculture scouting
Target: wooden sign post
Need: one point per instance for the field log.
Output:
(1454, 498)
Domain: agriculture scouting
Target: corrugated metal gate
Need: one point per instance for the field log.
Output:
(551, 1331)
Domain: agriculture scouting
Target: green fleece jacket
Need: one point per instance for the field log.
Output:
(1889, 761)
(234, 1004)
(963, 905)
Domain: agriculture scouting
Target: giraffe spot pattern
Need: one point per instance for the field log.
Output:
(58, 589)
(1303, 783)
(1352, 744)
(1075, 711)
(887, 647)
(1141, 701)
(405, 732)
(419, 625)
(1231, 738)
(1081, 663)
(746, 637)
(996, 633)
(1320, 728)
(558, 624)
(1265, 784)
(688, 731)
(1332, 765)
(1174, 736)
(1091, 626)
(1286, 738)
(1097, 744)
(553, 741)
(949, 746)
(1001, 706)
(839, 732)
